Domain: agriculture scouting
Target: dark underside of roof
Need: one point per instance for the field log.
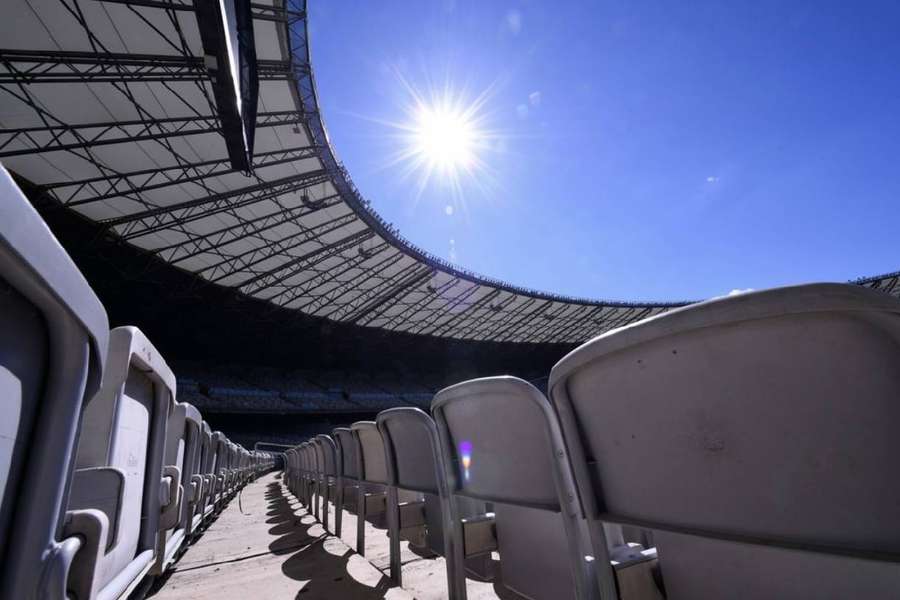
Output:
(106, 107)
(191, 319)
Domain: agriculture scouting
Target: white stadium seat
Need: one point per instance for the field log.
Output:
(753, 435)
(121, 489)
(415, 463)
(347, 474)
(192, 478)
(501, 443)
(53, 343)
(371, 468)
(326, 459)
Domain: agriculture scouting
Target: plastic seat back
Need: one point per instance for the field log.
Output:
(120, 467)
(53, 345)
(501, 443)
(343, 438)
(370, 461)
(752, 435)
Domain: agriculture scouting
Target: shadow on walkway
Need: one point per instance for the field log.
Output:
(325, 566)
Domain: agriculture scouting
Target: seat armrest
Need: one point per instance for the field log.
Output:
(91, 527)
(170, 493)
(196, 490)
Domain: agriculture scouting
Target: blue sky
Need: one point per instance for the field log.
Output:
(639, 150)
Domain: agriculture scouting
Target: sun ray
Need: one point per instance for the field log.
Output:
(443, 139)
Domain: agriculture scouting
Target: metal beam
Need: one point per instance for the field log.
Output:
(243, 229)
(162, 217)
(249, 259)
(467, 312)
(262, 12)
(94, 189)
(60, 66)
(289, 268)
(69, 137)
(335, 273)
(338, 312)
(433, 318)
(411, 281)
(422, 305)
(322, 278)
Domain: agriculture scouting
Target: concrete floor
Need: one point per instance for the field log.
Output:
(266, 547)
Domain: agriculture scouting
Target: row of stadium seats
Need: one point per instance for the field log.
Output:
(105, 476)
(736, 448)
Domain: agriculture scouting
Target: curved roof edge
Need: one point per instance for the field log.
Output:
(354, 198)
(113, 119)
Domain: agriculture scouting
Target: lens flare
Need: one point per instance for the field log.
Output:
(465, 454)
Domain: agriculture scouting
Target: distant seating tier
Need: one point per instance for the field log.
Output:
(736, 448)
(269, 390)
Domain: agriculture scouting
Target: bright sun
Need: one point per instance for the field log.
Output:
(444, 138)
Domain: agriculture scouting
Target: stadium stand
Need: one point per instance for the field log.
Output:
(53, 352)
(735, 448)
(273, 390)
(92, 519)
(732, 460)
(722, 466)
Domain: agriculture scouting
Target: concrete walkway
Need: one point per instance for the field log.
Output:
(266, 547)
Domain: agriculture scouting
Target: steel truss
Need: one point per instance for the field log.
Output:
(95, 189)
(153, 220)
(300, 236)
(57, 66)
(59, 137)
(261, 12)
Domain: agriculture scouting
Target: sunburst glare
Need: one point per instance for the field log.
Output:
(444, 140)
(444, 137)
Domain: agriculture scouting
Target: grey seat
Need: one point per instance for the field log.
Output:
(501, 443)
(219, 470)
(310, 481)
(754, 435)
(347, 476)
(326, 454)
(182, 461)
(192, 479)
(303, 482)
(168, 542)
(415, 463)
(291, 471)
(297, 460)
(121, 489)
(53, 344)
(316, 460)
(208, 462)
(371, 468)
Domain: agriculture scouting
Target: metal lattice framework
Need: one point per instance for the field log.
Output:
(108, 107)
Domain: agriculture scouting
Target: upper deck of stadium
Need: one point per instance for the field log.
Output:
(108, 108)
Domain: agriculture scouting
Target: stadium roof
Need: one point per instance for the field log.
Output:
(107, 105)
